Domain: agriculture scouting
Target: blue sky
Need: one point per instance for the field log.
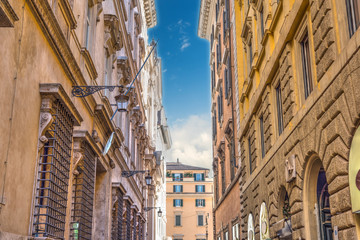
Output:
(186, 80)
(185, 59)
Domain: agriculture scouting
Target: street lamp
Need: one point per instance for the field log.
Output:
(127, 174)
(146, 209)
(122, 102)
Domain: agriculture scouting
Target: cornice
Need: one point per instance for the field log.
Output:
(56, 39)
(204, 19)
(9, 13)
(89, 63)
(150, 13)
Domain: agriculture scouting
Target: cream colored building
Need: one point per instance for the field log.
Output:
(57, 180)
(189, 202)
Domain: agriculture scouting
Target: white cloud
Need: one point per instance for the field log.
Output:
(191, 141)
(184, 45)
(165, 70)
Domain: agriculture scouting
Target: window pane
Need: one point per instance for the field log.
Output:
(279, 109)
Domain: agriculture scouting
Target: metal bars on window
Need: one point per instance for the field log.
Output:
(53, 176)
(83, 196)
(134, 226)
(117, 217)
(128, 221)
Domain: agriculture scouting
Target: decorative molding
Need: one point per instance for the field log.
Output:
(56, 39)
(45, 122)
(113, 41)
(89, 63)
(290, 168)
(8, 16)
(150, 13)
(56, 91)
(68, 13)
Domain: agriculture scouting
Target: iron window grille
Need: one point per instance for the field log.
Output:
(117, 217)
(128, 220)
(83, 194)
(134, 223)
(53, 176)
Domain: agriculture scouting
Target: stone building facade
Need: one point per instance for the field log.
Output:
(189, 202)
(298, 65)
(216, 24)
(59, 177)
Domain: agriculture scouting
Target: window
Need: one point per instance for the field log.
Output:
(177, 177)
(250, 53)
(214, 125)
(117, 216)
(227, 75)
(305, 56)
(213, 77)
(261, 120)
(235, 232)
(219, 51)
(199, 176)
(83, 194)
(352, 9)
(178, 188)
(220, 104)
(223, 183)
(200, 202)
(199, 188)
(177, 220)
(279, 109)
(178, 202)
(200, 220)
(226, 235)
(53, 175)
(212, 37)
(262, 21)
(250, 160)
(87, 27)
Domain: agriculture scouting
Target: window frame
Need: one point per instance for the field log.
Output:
(279, 111)
(352, 16)
(178, 216)
(262, 135)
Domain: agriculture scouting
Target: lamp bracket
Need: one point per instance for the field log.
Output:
(83, 91)
(149, 208)
(128, 174)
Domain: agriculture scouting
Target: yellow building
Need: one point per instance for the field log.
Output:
(297, 69)
(189, 202)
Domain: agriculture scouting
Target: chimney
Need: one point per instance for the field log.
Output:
(177, 160)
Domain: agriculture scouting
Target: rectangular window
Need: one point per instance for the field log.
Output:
(226, 235)
(200, 220)
(226, 83)
(177, 202)
(279, 109)
(250, 53)
(221, 102)
(177, 177)
(223, 182)
(177, 220)
(53, 175)
(214, 126)
(83, 194)
(235, 232)
(262, 21)
(305, 55)
(250, 160)
(352, 10)
(87, 27)
(232, 159)
(200, 202)
(262, 137)
(219, 55)
(199, 176)
(199, 188)
(178, 188)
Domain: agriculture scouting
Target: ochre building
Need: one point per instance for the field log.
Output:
(189, 202)
(298, 79)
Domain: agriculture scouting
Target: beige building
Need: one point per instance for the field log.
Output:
(189, 202)
(59, 177)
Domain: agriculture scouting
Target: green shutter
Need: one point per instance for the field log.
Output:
(202, 177)
(181, 188)
(173, 188)
(181, 176)
(204, 202)
(196, 203)
(173, 176)
(195, 176)
(181, 202)
(174, 203)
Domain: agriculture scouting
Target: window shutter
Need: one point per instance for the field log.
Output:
(196, 203)
(181, 202)
(174, 203)
(204, 202)
(173, 188)
(181, 176)
(202, 176)
(173, 176)
(181, 188)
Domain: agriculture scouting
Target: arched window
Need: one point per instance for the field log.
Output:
(264, 223)
(316, 202)
(324, 217)
(251, 232)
